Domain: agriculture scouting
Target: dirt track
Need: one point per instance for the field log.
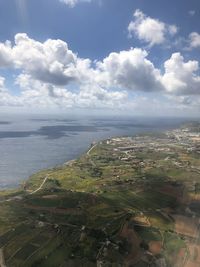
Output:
(40, 187)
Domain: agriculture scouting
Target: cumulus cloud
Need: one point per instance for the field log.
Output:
(181, 77)
(134, 71)
(194, 40)
(73, 3)
(130, 70)
(149, 30)
(48, 68)
(50, 74)
(51, 61)
(5, 54)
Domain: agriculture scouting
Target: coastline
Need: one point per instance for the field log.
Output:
(70, 162)
(27, 156)
(18, 188)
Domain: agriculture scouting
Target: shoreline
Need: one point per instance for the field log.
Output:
(70, 162)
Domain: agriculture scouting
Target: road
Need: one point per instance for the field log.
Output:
(40, 187)
(88, 153)
(33, 192)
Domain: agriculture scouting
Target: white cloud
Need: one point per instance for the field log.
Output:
(194, 40)
(96, 96)
(192, 12)
(130, 70)
(5, 54)
(150, 30)
(50, 74)
(36, 93)
(6, 98)
(181, 77)
(47, 68)
(73, 3)
(51, 61)
(172, 29)
(2, 81)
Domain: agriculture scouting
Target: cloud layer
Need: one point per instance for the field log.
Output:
(50, 74)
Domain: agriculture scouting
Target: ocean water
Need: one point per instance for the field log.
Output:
(29, 143)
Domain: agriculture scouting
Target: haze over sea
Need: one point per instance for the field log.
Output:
(29, 143)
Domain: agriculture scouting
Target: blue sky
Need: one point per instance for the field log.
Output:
(93, 31)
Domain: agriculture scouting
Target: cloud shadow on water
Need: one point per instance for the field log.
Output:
(51, 132)
(5, 122)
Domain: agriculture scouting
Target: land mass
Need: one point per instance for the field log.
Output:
(128, 201)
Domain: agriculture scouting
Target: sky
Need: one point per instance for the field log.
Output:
(133, 56)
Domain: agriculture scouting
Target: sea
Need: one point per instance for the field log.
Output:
(32, 142)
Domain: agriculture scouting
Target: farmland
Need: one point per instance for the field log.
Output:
(129, 201)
